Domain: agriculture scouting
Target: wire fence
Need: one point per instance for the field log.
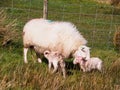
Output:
(97, 22)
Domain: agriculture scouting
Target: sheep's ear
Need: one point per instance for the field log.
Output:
(61, 56)
(75, 54)
(46, 53)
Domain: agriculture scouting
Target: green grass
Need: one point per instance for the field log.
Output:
(95, 21)
(17, 75)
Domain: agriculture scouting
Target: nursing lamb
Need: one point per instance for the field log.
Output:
(55, 59)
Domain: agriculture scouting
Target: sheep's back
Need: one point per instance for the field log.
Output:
(38, 32)
(69, 37)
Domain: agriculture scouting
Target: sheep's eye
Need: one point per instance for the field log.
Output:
(83, 49)
(46, 53)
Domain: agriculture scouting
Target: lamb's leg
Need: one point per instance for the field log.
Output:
(55, 65)
(62, 65)
(99, 67)
(25, 55)
(83, 68)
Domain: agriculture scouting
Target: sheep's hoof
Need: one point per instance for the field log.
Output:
(39, 60)
(25, 62)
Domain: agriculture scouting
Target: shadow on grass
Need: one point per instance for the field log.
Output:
(70, 67)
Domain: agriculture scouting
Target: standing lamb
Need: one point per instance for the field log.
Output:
(54, 36)
(87, 65)
(54, 58)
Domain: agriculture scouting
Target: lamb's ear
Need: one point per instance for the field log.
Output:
(46, 53)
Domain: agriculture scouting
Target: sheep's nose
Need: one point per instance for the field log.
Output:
(84, 58)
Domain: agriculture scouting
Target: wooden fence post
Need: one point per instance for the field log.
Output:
(45, 11)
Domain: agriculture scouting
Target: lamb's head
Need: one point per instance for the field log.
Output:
(52, 55)
(83, 53)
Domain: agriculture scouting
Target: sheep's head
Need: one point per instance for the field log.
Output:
(83, 53)
(52, 55)
(77, 60)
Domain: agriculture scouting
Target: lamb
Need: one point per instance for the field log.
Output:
(93, 63)
(54, 58)
(88, 65)
(41, 35)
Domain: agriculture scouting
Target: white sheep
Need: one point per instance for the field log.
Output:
(54, 58)
(54, 36)
(87, 65)
(83, 51)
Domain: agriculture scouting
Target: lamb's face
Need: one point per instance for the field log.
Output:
(52, 56)
(83, 52)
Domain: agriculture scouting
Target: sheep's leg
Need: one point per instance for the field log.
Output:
(38, 57)
(49, 65)
(37, 54)
(62, 65)
(39, 60)
(55, 65)
(25, 55)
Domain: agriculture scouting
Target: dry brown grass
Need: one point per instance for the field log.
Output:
(116, 39)
(112, 2)
(8, 31)
(115, 67)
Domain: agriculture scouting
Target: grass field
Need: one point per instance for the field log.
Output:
(97, 22)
